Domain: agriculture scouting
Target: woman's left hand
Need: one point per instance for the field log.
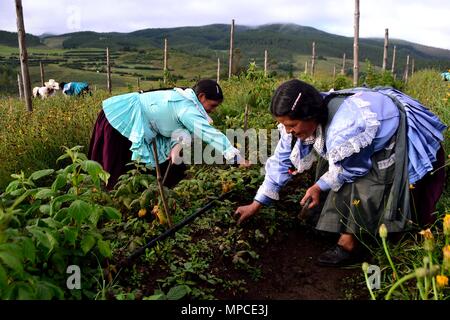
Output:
(314, 194)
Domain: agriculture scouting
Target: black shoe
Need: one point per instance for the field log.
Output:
(336, 256)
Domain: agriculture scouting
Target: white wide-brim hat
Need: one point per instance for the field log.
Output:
(52, 84)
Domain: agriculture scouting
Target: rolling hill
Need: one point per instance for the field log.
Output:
(282, 41)
(10, 39)
(193, 53)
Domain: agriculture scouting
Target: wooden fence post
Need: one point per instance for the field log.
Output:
(385, 50)
(165, 60)
(108, 71)
(412, 67)
(230, 62)
(356, 46)
(160, 184)
(218, 70)
(20, 85)
(306, 67)
(407, 68)
(41, 67)
(246, 117)
(313, 58)
(343, 64)
(394, 52)
(265, 63)
(23, 56)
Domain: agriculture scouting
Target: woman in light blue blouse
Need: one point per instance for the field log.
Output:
(129, 123)
(376, 143)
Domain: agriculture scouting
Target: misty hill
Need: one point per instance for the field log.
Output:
(283, 41)
(10, 39)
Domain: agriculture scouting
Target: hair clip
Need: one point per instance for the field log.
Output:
(296, 101)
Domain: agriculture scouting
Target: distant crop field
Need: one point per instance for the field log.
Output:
(90, 65)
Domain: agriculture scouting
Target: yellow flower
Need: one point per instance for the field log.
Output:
(227, 186)
(159, 214)
(447, 225)
(356, 202)
(428, 243)
(365, 267)
(446, 252)
(427, 234)
(142, 213)
(442, 281)
(383, 231)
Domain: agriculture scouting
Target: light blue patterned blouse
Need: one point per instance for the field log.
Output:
(164, 116)
(363, 125)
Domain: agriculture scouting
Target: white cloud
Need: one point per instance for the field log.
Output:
(424, 22)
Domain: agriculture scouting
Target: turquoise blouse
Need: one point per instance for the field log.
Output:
(75, 88)
(163, 115)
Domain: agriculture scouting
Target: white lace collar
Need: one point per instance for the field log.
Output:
(305, 163)
(319, 141)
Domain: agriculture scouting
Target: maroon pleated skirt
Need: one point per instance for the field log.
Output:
(427, 191)
(109, 148)
(112, 150)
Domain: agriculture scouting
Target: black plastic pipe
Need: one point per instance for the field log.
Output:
(174, 229)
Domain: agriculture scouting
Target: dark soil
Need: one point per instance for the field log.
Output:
(290, 271)
(286, 266)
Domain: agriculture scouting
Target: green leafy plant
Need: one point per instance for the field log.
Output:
(46, 228)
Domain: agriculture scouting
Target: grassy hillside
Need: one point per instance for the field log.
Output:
(193, 53)
(282, 41)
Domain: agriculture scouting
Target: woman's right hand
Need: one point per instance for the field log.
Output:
(175, 156)
(245, 164)
(245, 212)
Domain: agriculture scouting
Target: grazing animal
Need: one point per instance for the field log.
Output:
(43, 92)
(49, 89)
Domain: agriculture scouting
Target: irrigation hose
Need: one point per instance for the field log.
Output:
(172, 230)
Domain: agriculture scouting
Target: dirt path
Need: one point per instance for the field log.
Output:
(290, 272)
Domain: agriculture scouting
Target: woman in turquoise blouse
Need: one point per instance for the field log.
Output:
(129, 123)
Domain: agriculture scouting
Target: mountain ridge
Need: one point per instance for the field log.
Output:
(282, 40)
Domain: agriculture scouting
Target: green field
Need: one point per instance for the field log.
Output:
(55, 211)
(89, 65)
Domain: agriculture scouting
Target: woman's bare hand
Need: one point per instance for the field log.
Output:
(314, 194)
(245, 164)
(245, 212)
(175, 154)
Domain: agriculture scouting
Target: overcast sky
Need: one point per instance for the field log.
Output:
(423, 21)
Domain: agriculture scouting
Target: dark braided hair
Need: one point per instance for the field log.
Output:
(299, 100)
(210, 88)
